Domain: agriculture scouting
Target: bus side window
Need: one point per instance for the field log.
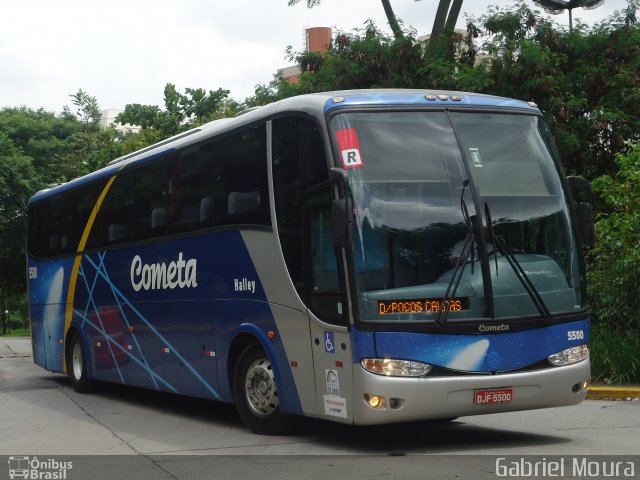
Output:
(241, 193)
(113, 211)
(150, 184)
(191, 190)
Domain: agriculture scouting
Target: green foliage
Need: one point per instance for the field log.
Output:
(614, 262)
(366, 58)
(19, 332)
(615, 354)
(264, 94)
(18, 181)
(40, 135)
(182, 111)
(88, 111)
(91, 145)
(585, 81)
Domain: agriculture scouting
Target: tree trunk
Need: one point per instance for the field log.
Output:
(439, 23)
(452, 18)
(391, 18)
(443, 27)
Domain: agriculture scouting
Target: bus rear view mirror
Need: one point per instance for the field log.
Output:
(581, 192)
(580, 188)
(341, 219)
(341, 209)
(585, 220)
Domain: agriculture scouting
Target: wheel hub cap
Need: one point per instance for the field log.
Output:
(260, 388)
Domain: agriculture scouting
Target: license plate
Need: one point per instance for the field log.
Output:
(493, 396)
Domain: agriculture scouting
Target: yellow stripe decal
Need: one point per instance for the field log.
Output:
(76, 264)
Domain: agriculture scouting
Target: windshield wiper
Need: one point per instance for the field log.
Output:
(467, 251)
(530, 288)
(487, 215)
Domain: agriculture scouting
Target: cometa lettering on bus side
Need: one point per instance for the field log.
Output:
(163, 276)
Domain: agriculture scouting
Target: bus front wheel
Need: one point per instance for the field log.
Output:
(77, 365)
(256, 395)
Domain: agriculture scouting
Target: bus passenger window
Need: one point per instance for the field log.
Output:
(241, 194)
(191, 190)
(150, 184)
(113, 211)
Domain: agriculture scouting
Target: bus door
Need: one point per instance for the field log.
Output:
(330, 340)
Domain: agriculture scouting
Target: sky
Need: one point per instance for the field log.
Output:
(125, 52)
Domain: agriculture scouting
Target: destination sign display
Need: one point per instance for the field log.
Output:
(427, 305)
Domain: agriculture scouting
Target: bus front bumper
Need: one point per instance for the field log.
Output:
(411, 399)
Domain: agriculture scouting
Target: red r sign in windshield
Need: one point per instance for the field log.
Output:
(349, 148)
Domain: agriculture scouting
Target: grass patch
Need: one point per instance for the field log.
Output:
(615, 355)
(18, 332)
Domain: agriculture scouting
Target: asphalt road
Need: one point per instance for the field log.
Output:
(123, 432)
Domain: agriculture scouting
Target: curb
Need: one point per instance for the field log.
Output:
(613, 393)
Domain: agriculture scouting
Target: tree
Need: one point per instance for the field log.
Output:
(444, 22)
(182, 111)
(42, 136)
(392, 19)
(585, 81)
(91, 146)
(18, 181)
(200, 106)
(614, 272)
(86, 140)
(366, 58)
(88, 111)
(441, 39)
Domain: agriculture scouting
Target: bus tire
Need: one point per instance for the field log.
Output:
(256, 395)
(77, 365)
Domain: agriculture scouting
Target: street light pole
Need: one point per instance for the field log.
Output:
(556, 7)
(570, 19)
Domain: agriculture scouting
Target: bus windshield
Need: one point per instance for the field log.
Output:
(451, 210)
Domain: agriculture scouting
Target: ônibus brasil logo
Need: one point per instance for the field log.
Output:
(35, 469)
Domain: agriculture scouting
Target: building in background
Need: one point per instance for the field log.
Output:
(317, 39)
(108, 119)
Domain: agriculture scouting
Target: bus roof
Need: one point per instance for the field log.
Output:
(314, 103)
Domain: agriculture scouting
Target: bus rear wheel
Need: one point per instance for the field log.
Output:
(77, 365)
(256, 395)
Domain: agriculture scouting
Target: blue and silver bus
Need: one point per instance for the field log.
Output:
(365, 257)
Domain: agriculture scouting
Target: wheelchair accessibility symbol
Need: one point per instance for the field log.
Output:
(329, 343)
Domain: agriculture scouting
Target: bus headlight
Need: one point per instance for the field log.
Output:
(569, 356)
(395, 368)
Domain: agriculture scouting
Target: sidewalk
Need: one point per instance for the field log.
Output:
(605, 392)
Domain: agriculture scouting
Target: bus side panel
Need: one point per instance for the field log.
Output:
(146, 313)
(248, 309)
(149, 313)
(48, 286)
(297, 372)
